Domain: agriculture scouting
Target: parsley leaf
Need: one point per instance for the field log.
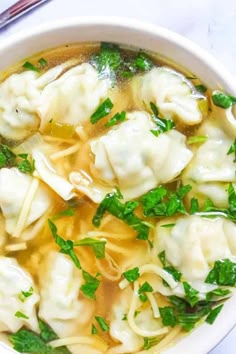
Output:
(25, 341)
(194, 207)
(142, 62)
(107, 61)
(7, 157)
(132, 274)
(97, 246)
(163, 125)
(102, 323)
(197, 139)
(219, 292)
(145, 288)
(213, 314)
(90, 286)
(223, 273)
(201, 88)
(117, 118)
(175, 273)
(25, 294)
(94, 329)
(20, 314)
(167, 316)
(162, 257)
(67, 246)
(223, 100)
(102, 111)
(46, 332)
(42, 62)
(25, 165)
(232, 149)
(191, 294)
(113, 205)
(29, 66)
(66, 212)
(150, 342)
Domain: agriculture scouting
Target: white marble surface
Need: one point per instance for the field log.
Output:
(210, 23)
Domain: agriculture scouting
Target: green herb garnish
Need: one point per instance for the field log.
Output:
(29, 66)
(219, 292)
(94, 329)
(223, 273)
(196, 139)
(25, 294)
(7, 157)
(25, 165)
(132, 274)
(194, 207)
(97, 246)
(150, 342)
(20, 314)
(90, 286)
(102, 111)
(201, 88)
(213, 314)
(232, 149)
(117, 118)
(191, 294)
(167, 316)
(223, 100)
(113, 205)
(66, 246)
(66, 212)
(42, 62)
(102, 323)
(163, 125)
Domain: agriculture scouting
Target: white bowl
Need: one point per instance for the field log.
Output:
(147, 37)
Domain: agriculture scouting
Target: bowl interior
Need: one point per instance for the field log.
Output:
(147, 37)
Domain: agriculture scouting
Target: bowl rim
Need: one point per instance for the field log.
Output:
(176, 39)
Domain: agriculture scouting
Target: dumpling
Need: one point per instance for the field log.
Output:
(19, 99)
(132, 157)
(194, 243)
(211, 169)
(49, 175)
(60, 305)
(14, 280)
(172, 93)
(14, 187)
(73, 97)
(120, 331)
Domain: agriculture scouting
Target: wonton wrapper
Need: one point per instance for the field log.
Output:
(14, 280)
(14, 186)
(171, 92)
(60, 305)
(132, 157)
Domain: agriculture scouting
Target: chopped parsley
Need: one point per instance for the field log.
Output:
(162, 257)
(112, 62)
(20, 314)
(163, 125)
(175, 273)
(113, 205)
(219, 292)
(25, 294)
(29, 66)
(223, 273)
(117, 118)
(132, 274)
(7, 157)
(168, 316)
(145, 288)
(65, 212)
(160, 202)
(168, 225)
(150, 342)
(94, 329)
(191, 294)
(66, 246)
(213, 314)
(232, 149)
(43, 63)
(197, 139)
(98, 246)
(102, 111)
(102, 323)
(25, 165)
(223, 100)
(201, 88)
(90, 286)
(194, 207)
(26, 341)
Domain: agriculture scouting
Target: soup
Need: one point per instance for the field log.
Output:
(117, 176)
